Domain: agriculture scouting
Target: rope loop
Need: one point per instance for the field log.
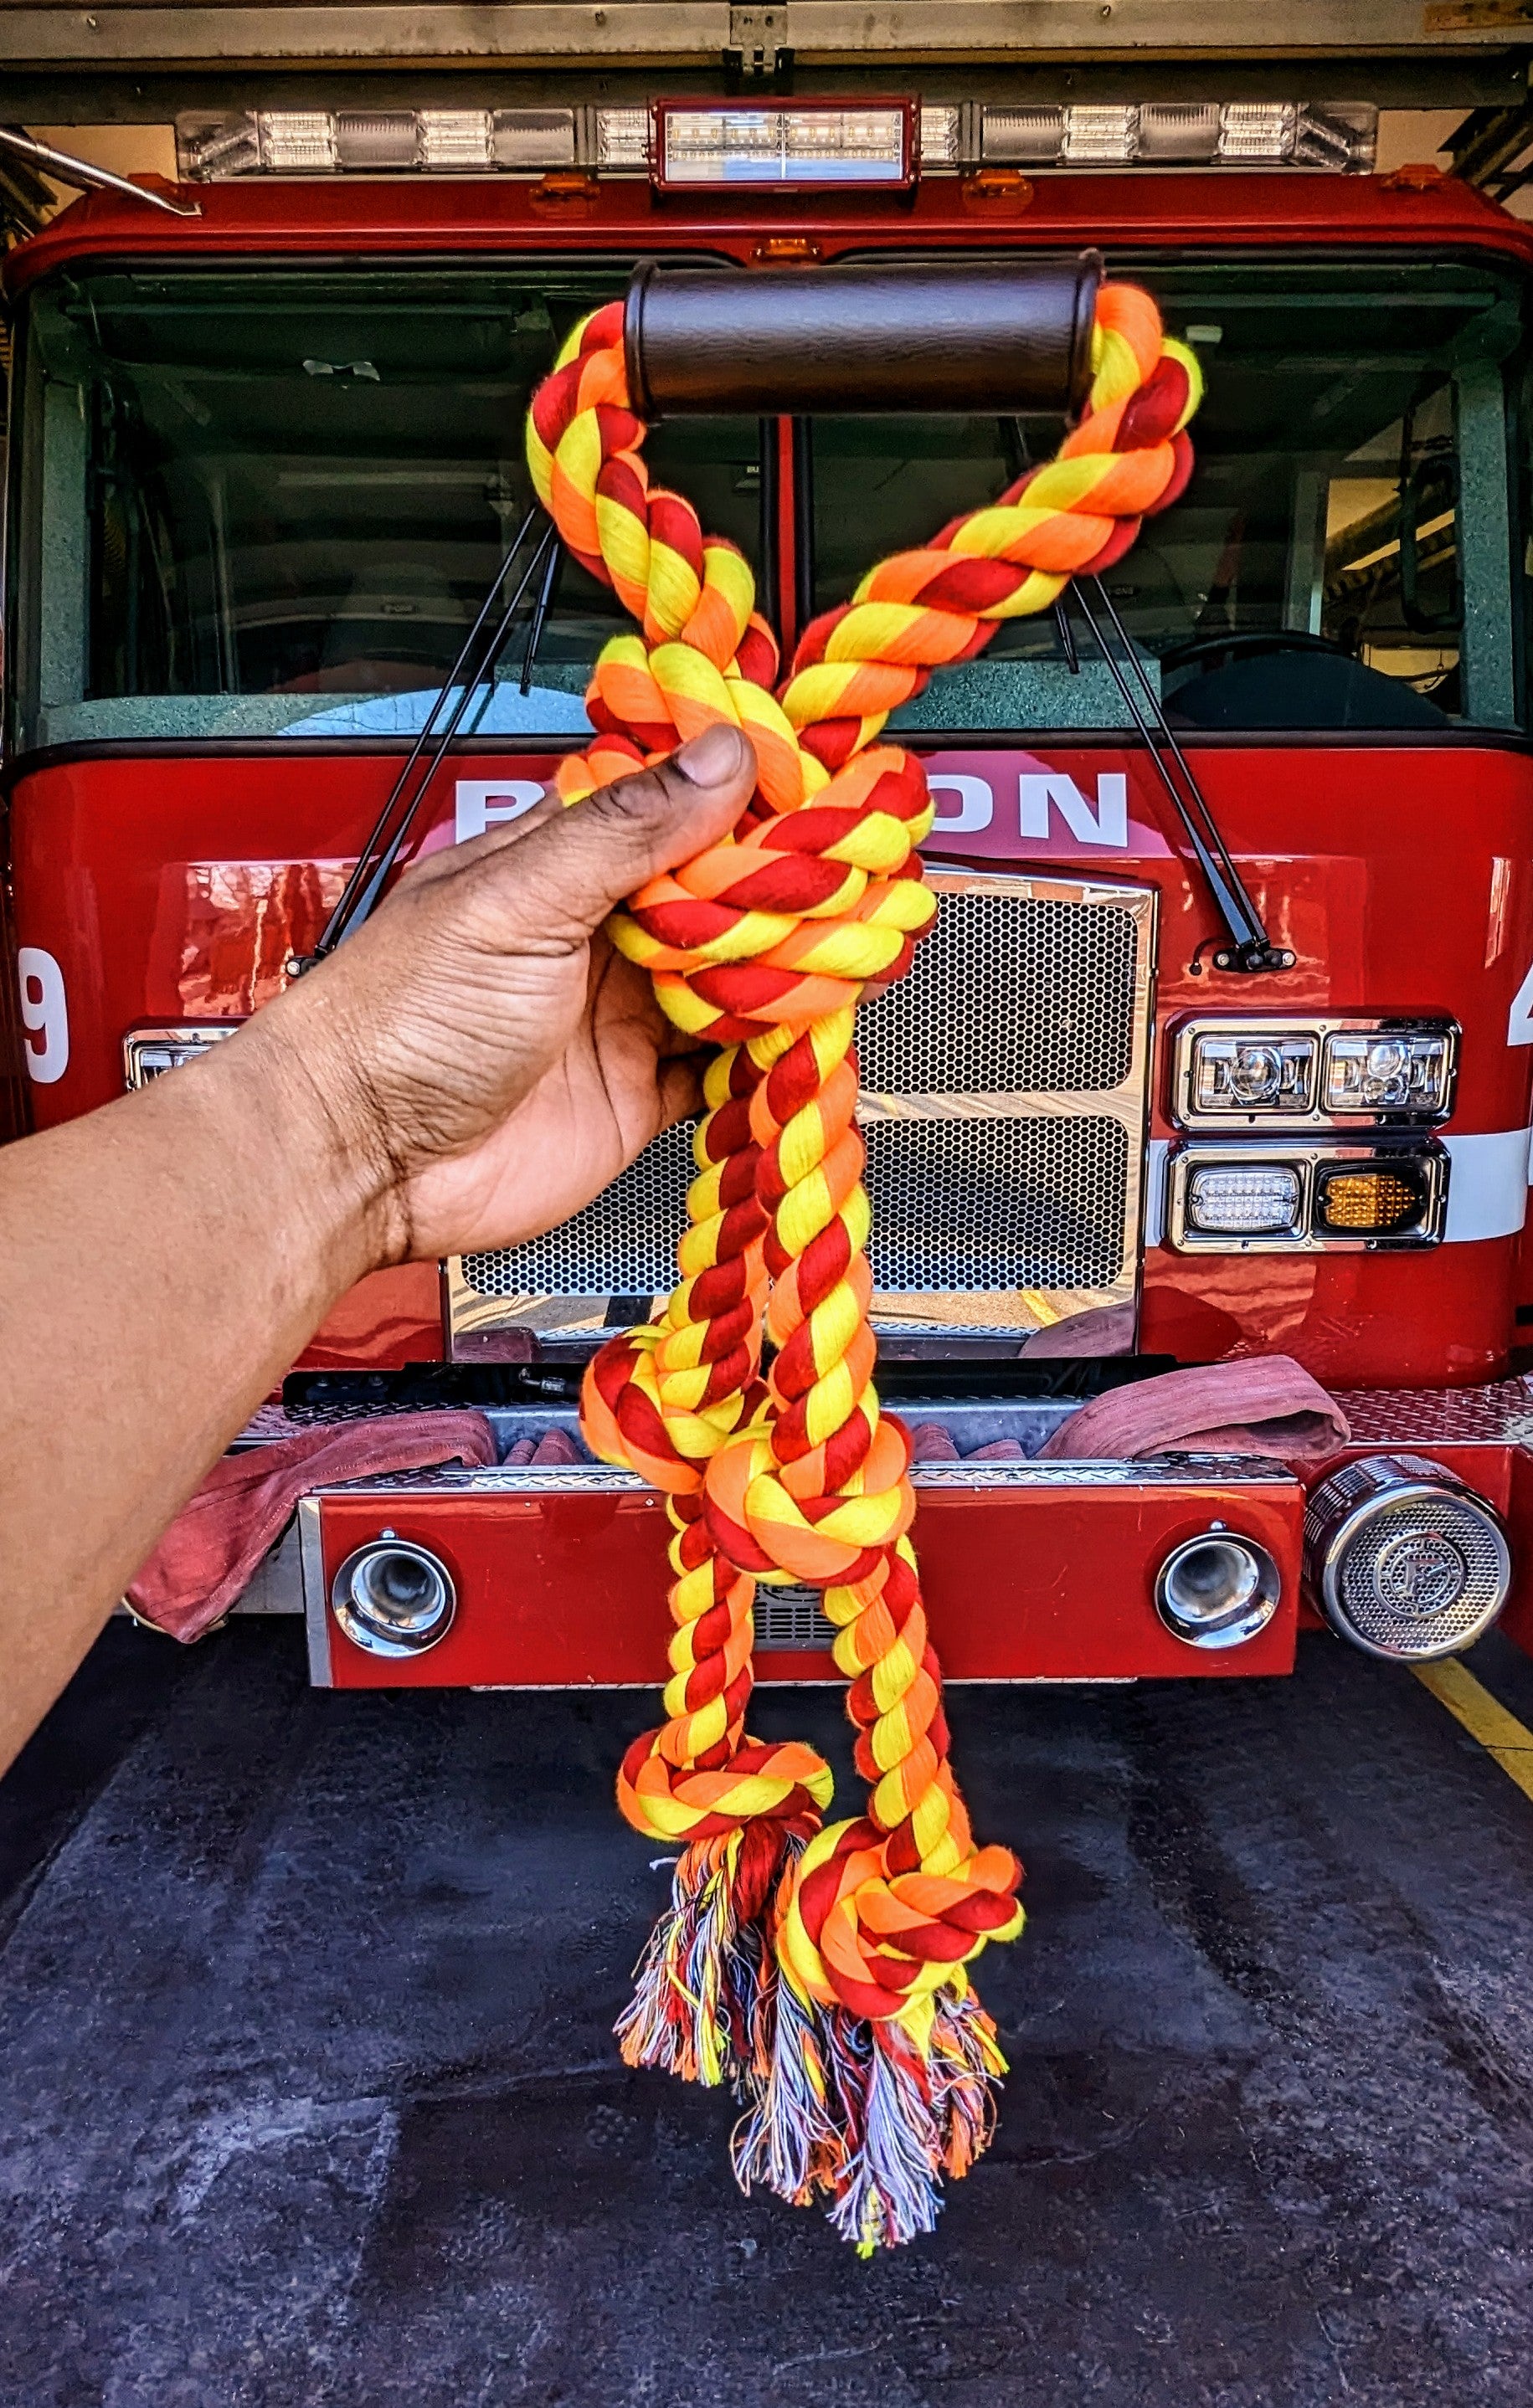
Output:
(790, 1940)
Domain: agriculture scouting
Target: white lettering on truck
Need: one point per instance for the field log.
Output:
(966, 805)
(1520, 1018)
(488, 802)
(1107, 824)
(975, 804)
(45, 1015)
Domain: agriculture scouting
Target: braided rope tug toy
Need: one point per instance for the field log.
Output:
(819, 1967)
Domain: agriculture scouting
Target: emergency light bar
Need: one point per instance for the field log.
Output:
(777, 145)
(1183, 133)
(375, 141)
(791, 147)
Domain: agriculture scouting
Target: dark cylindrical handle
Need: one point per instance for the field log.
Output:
(944, 333)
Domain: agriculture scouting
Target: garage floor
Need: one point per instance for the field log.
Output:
(307, 2094)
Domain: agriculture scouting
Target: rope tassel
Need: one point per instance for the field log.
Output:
(820, 1970)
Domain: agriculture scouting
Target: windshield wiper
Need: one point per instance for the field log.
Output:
(379, 854)
(1249, 947)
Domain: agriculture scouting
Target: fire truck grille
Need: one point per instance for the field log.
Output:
(1003, 1090)
(957, 1206)
(1008, 993)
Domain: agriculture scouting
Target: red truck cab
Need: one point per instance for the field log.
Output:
(264, 461)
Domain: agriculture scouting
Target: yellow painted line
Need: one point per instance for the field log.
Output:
(1504, 1738)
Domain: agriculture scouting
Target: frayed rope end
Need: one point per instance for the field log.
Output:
(852, 2112)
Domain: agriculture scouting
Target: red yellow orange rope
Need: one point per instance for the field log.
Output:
(820, 1967)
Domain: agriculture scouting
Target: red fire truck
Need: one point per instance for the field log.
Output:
(1222, 1045)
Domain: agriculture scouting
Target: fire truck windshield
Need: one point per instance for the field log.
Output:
(266, 501)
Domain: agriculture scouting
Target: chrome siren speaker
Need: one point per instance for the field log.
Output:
(1404, 1559)
(392, 1597)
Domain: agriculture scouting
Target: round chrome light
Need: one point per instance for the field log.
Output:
(392, 1597)
(1404, 1559)
(1217, 1590)
(1255, 1073)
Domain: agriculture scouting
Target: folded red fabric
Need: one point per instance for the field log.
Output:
(930, 1442)
(556, 1446)
(216, 1541)
(1268, 1406)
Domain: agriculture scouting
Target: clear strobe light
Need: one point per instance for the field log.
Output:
(941, 136)
(378, 141)
(1097, 135)
(1246, 1200)
(298, 142)
(1258, 133)
(622, 140)
(1183, 133)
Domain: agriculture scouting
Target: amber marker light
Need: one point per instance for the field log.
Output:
(1369, 1203)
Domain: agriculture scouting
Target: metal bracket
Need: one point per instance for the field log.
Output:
(1486, 149)
(758, 52)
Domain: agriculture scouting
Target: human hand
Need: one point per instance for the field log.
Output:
(486, 1061)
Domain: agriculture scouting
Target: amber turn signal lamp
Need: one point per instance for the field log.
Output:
(998, 192)
(569, 193)
(1369, 1203)
(1417, 175)
(786, 250)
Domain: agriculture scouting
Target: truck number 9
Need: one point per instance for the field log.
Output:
(45, 1015)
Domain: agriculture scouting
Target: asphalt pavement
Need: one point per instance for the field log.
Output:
(308, 2097)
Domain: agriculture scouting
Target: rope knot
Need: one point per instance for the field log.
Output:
(880, 1946)
(823, 1967)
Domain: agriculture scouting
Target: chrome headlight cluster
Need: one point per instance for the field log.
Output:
(1315, 1073)
(1306, 1198)
(150, 1053)
(1359, 1096)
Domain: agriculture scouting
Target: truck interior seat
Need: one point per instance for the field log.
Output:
(1300, 689)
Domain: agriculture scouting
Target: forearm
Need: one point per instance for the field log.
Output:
(471, 1067)
(164, 1261)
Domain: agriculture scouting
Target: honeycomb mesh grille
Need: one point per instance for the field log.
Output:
(1392, 1553)
(962, 1206)
(1010, 995)
(958, 1207)
(624, 1243)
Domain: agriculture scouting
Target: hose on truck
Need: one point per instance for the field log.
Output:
(820, 1967)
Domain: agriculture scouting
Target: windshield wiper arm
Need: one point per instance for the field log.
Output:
(541, 609)
(377, 857)
(1249, 948)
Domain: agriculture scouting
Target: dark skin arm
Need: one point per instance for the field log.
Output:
(469, 1069)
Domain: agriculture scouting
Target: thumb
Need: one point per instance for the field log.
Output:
(571, 872)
